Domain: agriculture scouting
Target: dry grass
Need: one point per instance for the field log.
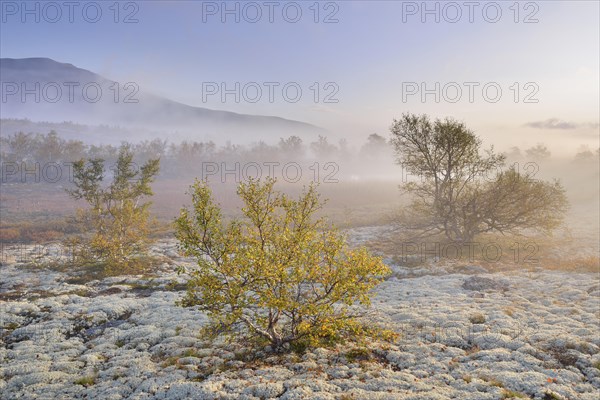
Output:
(490, 380)
(511, 394)
(510, 311)
(578, 264)
(493, 252)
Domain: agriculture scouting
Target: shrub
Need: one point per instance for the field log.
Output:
(86, 381)
(511, 394)
(275, 276)
(477, 318)
(9, 235)
(118, 218)
(358, 354)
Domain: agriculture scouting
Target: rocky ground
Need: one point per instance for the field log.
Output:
(465, 333)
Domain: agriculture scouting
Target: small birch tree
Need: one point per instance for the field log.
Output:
(118, 218)
(277, 275)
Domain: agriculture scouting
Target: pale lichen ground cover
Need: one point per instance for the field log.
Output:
(537, 335)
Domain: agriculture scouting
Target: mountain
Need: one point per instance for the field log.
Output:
(45, 90)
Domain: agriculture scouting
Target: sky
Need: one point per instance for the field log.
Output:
(358, 64)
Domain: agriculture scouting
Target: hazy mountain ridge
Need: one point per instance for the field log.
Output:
(61, 95)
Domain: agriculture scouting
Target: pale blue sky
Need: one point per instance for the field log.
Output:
(369, 53)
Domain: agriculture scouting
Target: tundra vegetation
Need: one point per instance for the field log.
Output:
(276, 276)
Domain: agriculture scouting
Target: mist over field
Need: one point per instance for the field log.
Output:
(300, 200)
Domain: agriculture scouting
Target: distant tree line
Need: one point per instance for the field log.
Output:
(540, 152)
(183, 158)
(51, 147)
